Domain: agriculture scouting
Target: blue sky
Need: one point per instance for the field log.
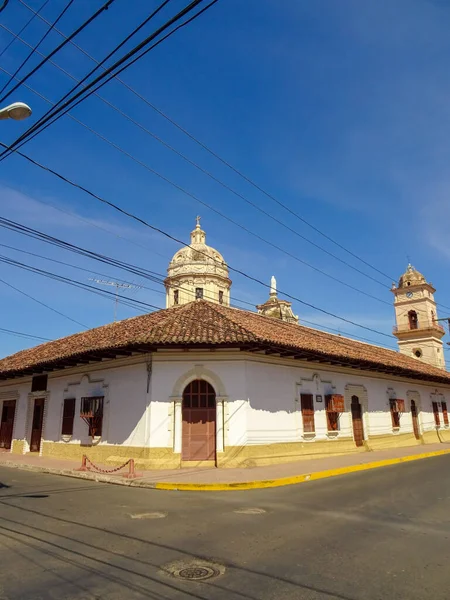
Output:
(339, 109)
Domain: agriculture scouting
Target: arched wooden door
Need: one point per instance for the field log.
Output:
(415, 420)
(199, 422)
(358, 428)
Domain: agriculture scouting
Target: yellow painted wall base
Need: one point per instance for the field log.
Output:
(234, 456)
(392, 440)
(145, 458)
(436, 436)
(17, 446)
(272, 454)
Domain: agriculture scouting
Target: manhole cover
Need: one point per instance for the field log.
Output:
(194, 570)
(250, 511)
(149, 515)
(197, 573)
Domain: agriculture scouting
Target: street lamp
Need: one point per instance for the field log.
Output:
(17, 111)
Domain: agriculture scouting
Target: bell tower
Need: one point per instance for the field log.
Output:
(417, 330)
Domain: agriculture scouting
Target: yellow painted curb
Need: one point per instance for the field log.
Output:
(270, 483)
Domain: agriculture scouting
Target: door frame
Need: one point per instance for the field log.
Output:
(414, 395)
(212, 411)
(361, 419)
(411, 400)
(360, 391)
(2, 405)
(175, 408)
(29, 423)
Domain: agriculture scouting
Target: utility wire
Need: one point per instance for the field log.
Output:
(143, 274)
(161, 282)
(103, 78)
(175, 239)
(224, 185)
(197, 166)
(223, 215)
(35, 14)
(24, 335)
(227, 163)
(42, 303)
(108, 56)
(30, 54)
(61, 45)
(75, 283)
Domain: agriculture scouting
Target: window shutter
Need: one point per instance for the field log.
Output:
(307, 405)
(437, 420)
(395, 417)
(68, 416)
(444, 412)
(332, 404)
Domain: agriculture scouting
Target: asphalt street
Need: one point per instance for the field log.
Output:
(376, 535)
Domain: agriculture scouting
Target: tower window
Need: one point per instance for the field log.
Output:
(418, 353)
(220, 297)
(176, 297)
(198, 293)
(413, 319)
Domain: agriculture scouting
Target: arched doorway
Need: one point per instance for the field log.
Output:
(415, 420)
(358, 428)
(199, 421)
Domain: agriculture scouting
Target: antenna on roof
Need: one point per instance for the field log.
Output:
(119, 286)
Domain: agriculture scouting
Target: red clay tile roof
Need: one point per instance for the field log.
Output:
(203, 323)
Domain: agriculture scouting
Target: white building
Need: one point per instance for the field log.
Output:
(204, 383)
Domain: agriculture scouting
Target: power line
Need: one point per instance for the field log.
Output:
(27, 58)
(61, 45)
(161, 282)
(206, 172)
(169, 236)
(223, 215)
(75, 283)
(35, 14)
(217, 156)
(42, 303)
(24, 335)
(159, 278)
(225, 162)
(101, 63)
(103, 78)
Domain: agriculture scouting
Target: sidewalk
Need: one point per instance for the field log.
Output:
(212, 479)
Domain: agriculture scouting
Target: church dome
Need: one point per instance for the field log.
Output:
(411, 277)
(198, 257)
(197, 271)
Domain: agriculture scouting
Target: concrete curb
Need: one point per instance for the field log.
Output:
(296, 479)
(222, 487)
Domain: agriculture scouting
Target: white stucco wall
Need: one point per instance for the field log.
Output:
(260, 395)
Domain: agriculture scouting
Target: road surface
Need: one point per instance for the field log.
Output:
(376, 535)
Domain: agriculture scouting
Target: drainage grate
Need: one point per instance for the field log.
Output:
(198, 573)
(194, 570)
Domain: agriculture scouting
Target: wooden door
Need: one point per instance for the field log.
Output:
(199, 422)
(6, 424)
(36, 425)
(358, 429)
(415, 420)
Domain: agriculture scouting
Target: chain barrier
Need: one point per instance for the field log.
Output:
(88, 465)
(99, 470)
